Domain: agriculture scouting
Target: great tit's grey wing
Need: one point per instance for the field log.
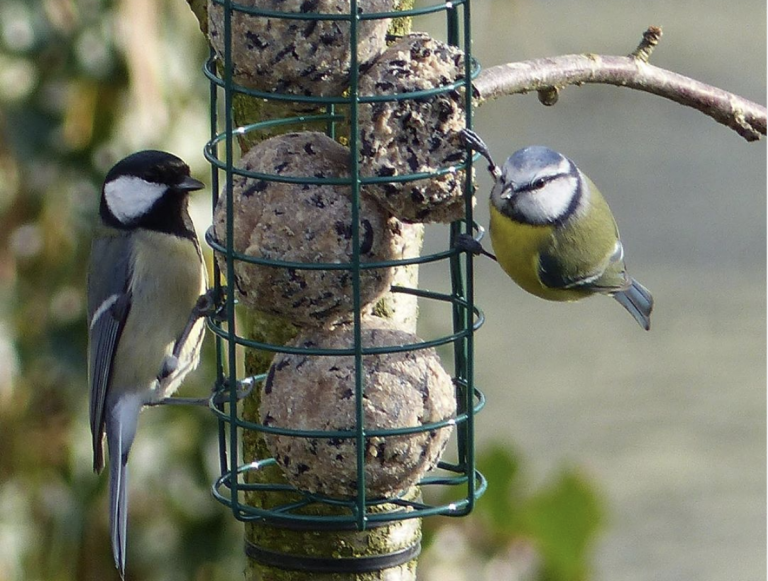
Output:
(566, 270)
(109, 302)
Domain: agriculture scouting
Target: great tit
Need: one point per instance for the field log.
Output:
(145, 275)
(553, 232)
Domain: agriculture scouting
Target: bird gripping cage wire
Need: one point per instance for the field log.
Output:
(321, 444)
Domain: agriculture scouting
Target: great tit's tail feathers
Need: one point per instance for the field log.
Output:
(118, 511)
(121, 426)
(638, 301)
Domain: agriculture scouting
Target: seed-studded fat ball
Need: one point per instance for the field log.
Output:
(311, 392)
(305, 223)
(300, 57)
(415, 135)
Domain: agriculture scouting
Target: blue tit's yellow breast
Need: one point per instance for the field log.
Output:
(517, 247)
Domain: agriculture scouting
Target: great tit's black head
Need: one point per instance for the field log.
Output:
(538, 186)
(148, 189)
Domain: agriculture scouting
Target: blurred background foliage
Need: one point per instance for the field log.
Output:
(83, 83)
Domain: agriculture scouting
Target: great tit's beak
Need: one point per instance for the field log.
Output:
(189, 184)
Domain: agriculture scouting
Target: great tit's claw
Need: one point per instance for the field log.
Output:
(169, 365)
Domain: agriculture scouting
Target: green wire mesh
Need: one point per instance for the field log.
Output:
(461, 478)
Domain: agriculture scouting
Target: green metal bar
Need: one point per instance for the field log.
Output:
(272, 96)
(282, 514)
(219, 347)
(255, 11)
(350, 352)
(472, 491)
(438, 256)
(354, 171)
(229, 156)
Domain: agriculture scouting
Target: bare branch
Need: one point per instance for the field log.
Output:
(549, 75)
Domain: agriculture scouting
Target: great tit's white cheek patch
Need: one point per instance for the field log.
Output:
(130, 197)
(551, 202)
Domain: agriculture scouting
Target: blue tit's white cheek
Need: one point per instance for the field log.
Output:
(550, 203)
(130, 197)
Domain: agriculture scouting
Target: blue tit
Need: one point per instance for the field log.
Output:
(554, 234)
(145, 275)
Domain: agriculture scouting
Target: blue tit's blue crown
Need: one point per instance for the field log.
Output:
(535, 161)
(536, 157)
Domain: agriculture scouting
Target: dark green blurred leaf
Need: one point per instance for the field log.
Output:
(500, 505)
(563, 520)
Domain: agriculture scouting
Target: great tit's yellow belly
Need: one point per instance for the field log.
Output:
(167, 281)
(517, 248)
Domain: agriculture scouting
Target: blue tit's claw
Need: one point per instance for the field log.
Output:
(473, 141)
(467, 243)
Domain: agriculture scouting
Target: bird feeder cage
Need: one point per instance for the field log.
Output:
(341, 110)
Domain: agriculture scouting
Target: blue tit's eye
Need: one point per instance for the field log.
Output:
(538, 183)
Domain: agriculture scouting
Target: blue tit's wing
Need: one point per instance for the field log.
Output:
(109, 302)
(570, 270)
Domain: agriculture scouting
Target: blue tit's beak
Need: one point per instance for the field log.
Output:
(189, 184)
(507, 191)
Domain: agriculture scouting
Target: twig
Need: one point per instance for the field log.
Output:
(651, 38)
(748, 119)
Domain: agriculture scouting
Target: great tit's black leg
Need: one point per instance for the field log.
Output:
(468, 243)
(195, 401)
(206, 306)
(243, 390)
(473, 141)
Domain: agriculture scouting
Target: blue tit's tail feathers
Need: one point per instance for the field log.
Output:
(638, 301)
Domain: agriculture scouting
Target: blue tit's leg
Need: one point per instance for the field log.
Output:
(473, 141)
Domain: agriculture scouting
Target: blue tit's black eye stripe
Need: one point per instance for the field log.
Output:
(540, 182)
